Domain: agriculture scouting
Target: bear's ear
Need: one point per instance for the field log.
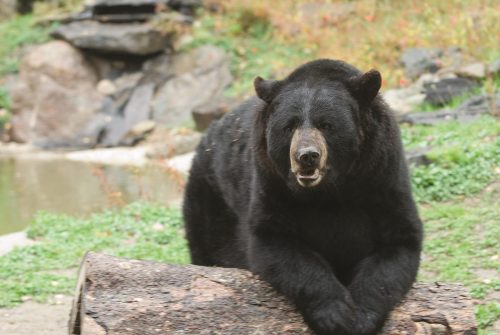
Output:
(366, 87)
(266, 89)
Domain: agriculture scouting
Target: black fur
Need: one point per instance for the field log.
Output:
(346, 251)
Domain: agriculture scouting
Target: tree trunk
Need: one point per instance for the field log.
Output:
(122, 296)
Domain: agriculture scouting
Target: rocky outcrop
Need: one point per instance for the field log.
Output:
(445, 90)
(466, 112)
(200, 76)
(133, 39)
(8, 8)
(54, 97)
(113, 78)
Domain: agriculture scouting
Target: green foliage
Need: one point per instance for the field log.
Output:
(462, 244)
(16, 33)
(486, 315)
(464, 157)
(142, 231)
(4, 107)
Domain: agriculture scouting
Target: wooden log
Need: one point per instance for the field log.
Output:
(123, 296)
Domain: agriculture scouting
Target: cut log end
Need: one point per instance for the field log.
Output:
(122, 296)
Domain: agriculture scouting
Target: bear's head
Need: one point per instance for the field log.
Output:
(313, 122)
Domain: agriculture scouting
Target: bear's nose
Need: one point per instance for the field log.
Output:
(308, 156)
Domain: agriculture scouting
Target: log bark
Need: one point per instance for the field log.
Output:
(123, 296)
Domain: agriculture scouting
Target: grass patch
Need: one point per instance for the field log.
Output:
(465, 157)
(16, 33)
(461, 245)
(142, 231)
(4, 107)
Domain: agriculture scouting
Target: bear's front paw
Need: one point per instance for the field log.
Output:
(367, 322)
(332, 318)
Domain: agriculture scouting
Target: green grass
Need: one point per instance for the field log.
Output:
(4, 107)
(16, 33)
(462, 243)
(465, 157)
(142, 231)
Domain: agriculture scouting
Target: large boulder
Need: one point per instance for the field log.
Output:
(199, 77)
(126, 38)
(8, 8)
(55, 97)
(418, 61)
(445, 90)
(468, 111)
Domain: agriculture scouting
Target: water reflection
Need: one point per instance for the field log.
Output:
(27, 186)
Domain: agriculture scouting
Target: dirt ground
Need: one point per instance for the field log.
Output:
(32, 318)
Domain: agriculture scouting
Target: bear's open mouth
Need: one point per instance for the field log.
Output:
(309, 174)
(309, 177)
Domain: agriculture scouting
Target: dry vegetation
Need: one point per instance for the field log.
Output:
(370, 33)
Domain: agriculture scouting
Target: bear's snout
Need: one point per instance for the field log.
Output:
(308, 156)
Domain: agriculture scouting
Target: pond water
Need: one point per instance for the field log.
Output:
(76, 188)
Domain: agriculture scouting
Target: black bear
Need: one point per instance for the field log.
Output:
(307, 186)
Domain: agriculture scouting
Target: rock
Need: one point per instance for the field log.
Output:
(405, 100)
(136, 10)
(136, 111)
(8, 8)
(204, 115)
(473, 71)
(123, 10)
(114, 66)
(55, 97)
(159, 69)
(466, 112)
(106, 87)
(133, 39)
(181, 163)
(166, 143)
(127, 81)
(418, 157)
(186, 7)
(443, 91)
(494, 67)
(418, 61)
(200, 76)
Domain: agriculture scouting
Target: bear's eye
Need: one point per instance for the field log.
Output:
(325, 126)
(289, 128)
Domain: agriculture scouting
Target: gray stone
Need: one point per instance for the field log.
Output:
(418, 61)
(466, 112)
(56, 96)
(136, 10)
(473, 71)
(159, 69)
(494, 67)
(418, 157)
(200, 76)
(106, 87)
(136, 111)
(8, 8)
(134, 39)
(206, 114)
(186, 7)
(123, 10)
(166, 143)
(443, 91)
